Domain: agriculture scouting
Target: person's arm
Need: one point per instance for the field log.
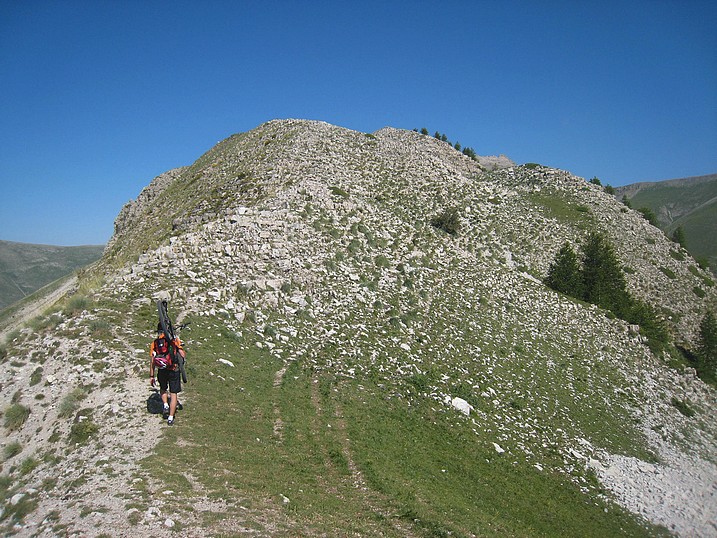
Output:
(179, 348)
(151, 364)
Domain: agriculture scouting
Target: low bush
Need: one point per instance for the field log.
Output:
(449, 221)
(11, 450)
(15, 416)
(71, 402)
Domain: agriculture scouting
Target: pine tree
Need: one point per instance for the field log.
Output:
(707, 347)
(564, 273)
(651, 325)
(603, 278)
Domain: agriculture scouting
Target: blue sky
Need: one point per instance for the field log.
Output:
(99, 97)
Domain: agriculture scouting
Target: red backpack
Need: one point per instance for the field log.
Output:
(162, 357)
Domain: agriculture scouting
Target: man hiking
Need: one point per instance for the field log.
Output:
(164, 357)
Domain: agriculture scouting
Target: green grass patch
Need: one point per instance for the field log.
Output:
(293, 445)
(11, 450)
(15, 416)
(71, 402)
(451, 482)
(562, 209)
(669, 273)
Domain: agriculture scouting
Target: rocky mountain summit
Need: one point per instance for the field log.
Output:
(339, 328)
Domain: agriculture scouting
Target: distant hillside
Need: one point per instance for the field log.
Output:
(690, 203)
(25, 267)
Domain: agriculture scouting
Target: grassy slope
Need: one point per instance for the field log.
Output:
(350, 460)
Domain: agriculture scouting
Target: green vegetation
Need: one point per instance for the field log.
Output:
(678, 236)
(691, 215)
(334, 456)
(467, 151)
(683, 407)
(649, 215)
(707, 348)
(565, 274)
(15, 416)
(82, 431)
(599, 279)
(71, 402)
(76, 304)
(11, 450)
(449, 221)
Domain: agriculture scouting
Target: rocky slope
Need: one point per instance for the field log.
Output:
(317, 241)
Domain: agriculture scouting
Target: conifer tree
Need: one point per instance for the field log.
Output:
(564, 274)
(603, 278)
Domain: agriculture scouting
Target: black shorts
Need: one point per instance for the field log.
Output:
(171, 379)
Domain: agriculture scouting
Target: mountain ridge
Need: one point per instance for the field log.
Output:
(331, 319)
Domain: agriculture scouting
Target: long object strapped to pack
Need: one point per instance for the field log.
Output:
(168, 329)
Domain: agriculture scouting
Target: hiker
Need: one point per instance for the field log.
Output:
(165, 360)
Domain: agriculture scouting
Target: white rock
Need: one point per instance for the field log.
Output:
(16, 498)
(228, 363)
(461, 405)
(498, 448)
(169, 523)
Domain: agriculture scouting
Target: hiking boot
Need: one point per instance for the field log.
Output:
(170, 421)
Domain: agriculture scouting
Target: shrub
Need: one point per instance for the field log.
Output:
(76, 304)
(15, 416)
(669, 273)
(82, 431)
(449, 221)
(678, 236)
(27, 465)
(649, 215)
(707, 347)
(71, 402)
(11, 450)
(682, 407)
(36, 376)
(651, 326)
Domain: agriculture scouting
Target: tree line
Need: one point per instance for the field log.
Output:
(469, 152)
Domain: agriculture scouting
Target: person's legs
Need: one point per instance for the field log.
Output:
(175, 387)
(172, 403)
(163, 378)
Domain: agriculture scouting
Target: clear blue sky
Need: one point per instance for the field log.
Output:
(98, 97)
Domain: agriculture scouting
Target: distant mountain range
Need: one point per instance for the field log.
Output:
(25, 268)
(689, 203)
